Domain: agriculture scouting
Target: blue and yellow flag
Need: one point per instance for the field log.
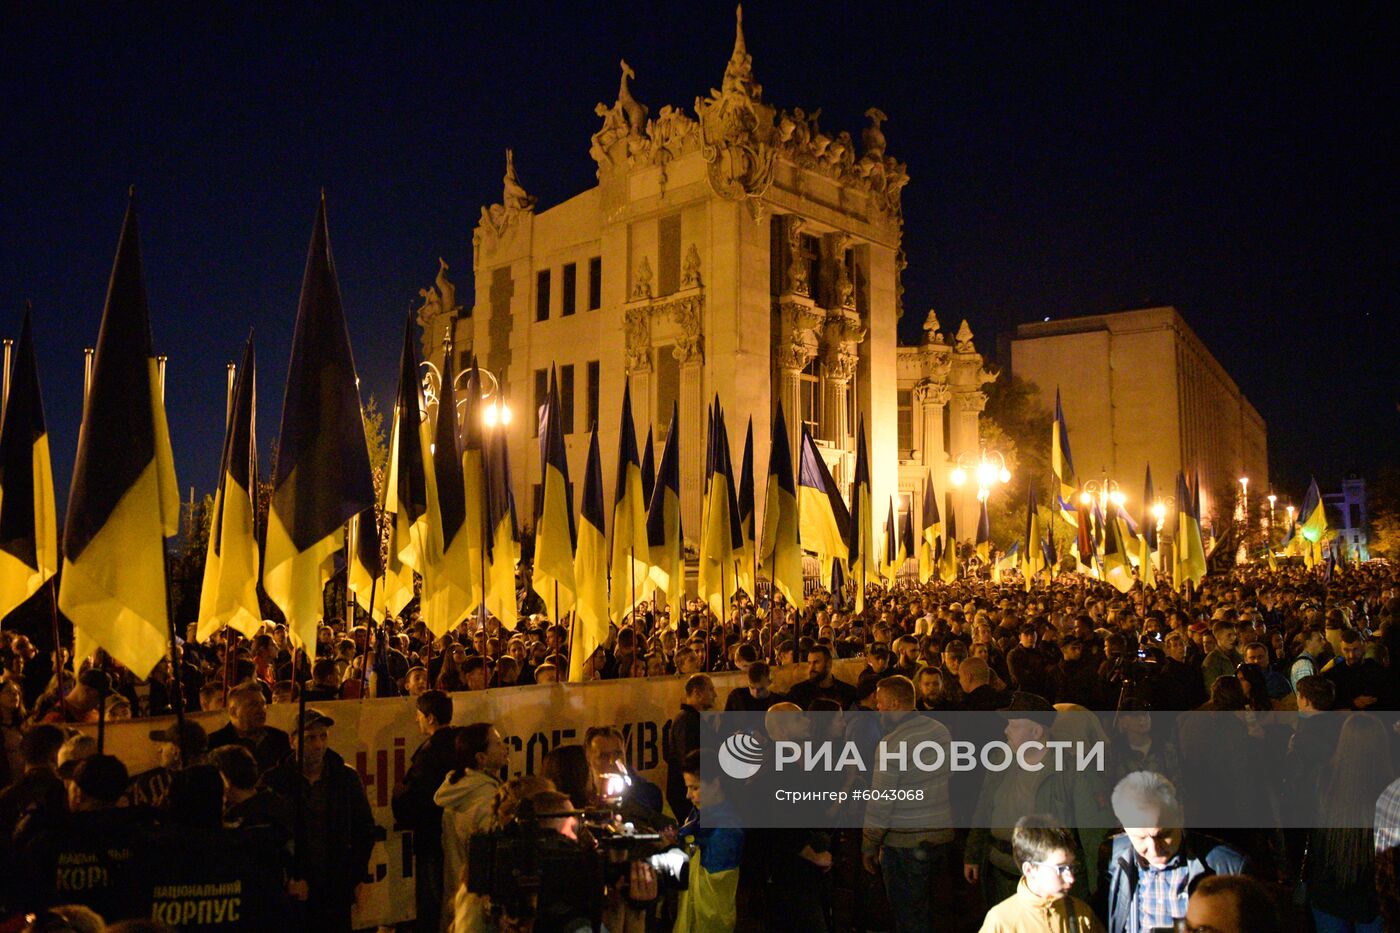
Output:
(124, 501)
(889, 550)
(1033, 544)
(28, 518)
(1062, 464)
(1117, 568)
(1312, 517)
(503, 532)
(746, 555)
(780, 555)
(409, 498)
(665, 540)
(948, 557)
(454, 586)
(590, 628)
(553, 577)
(984, 533)
(825, 523)
(720, 539)
(863, 562)
(930, 525)
(1147, 537)
(1191, 551)
(229, 594)
(629, 551)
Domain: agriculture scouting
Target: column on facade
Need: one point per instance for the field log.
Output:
(842, 337)
(967, 376)
(797, 345)
(930, 398)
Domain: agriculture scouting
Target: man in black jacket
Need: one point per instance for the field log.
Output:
(247, 726)
(415, 810)
(683, 737)
(335, 830)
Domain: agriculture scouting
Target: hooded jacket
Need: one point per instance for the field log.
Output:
(468, 807)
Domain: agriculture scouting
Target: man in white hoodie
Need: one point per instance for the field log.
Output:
(467, 797)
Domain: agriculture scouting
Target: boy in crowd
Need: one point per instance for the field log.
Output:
(1042, 902)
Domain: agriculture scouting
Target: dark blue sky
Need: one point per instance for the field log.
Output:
(1236, 163)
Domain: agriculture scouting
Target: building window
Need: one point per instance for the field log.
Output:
(668, 385)
(592, 390)
(595, 283)
(541, 396)
(668, 255)
(810, 395)
(566, 398)
(568, 289)
(905, 422)
(542, 296)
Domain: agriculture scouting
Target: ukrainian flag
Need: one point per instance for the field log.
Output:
(629, 549)
(590, 626)
(1190, 547)
(720, 539)
(948, 561)
(1061, 463)
(984, 534)
(825, 523)
(930, 524)
(454, 586)
(229, 594)
(862, 563)
(124, 501)
(664, 533)
(28, 518)
(553, 577)
(780, 556)
(1033, 550)
(1312, 516)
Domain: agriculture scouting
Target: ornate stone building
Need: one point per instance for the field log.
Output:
(742, 251)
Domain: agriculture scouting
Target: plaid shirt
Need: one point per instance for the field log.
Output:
(1161, 894)
(1388, 818)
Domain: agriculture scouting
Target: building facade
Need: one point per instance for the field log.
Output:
(741, 252)
(1140, 387)
(1347, 518)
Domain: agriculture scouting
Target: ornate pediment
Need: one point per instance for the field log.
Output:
(801, 140)
(736, 128)
(628, 139)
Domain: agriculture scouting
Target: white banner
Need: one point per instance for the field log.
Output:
(377, 738)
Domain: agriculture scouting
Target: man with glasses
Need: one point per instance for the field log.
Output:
(1042, 902)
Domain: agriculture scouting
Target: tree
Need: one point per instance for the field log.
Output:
(1383, 537)
(1016, 422)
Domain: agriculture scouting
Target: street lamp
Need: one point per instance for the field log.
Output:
(989, 471)
(496, 411)
(1105, 491)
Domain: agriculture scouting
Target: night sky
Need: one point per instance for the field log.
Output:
(1237, 164)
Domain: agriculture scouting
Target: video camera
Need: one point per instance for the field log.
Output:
(529, 870)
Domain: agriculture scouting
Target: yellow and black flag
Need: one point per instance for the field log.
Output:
(664, 540)
(448, 590)
(628, 549)
(502, 533)
(1312, 517)
(409, 501)
(229, 594)
(28, 519)
(721, 541)
(553, 577)
(889, 560)
(862, 562)
(124, 501)
(930, 525)
(323, 475)
(825, 524)
(590, 628)
(780, 555)
(747, 554)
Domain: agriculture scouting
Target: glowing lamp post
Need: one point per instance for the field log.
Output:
(989, 471)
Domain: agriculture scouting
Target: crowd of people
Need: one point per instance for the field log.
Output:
(1251, 644)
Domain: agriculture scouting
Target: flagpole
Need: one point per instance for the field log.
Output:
(57, 647)
(369, 638)
(9, 351)
(177, 695)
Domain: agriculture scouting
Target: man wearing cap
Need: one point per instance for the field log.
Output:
(82, 856)
(247, 726)
(81, 702)
(335, 830)
(182, 745)
(1032, 784)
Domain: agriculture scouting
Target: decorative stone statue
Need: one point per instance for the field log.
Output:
(932, 329)
(513, 196)
(872, 138)
(641, 283)
(963, 340)
(737, 132)
(634, 114)
(690, 268)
